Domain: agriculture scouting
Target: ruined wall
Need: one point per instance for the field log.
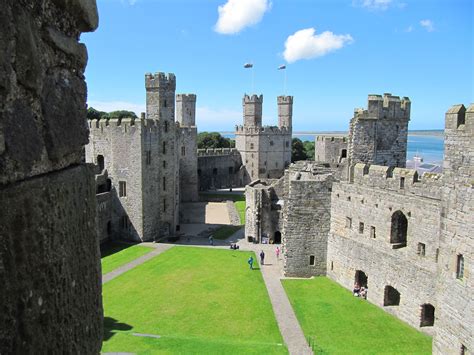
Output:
(49, 251)
(378, 135)
(219, 168)
(306, 219)
(264, 210)
(362, 218)
(330, 149)
(105, 229)
(455, 301)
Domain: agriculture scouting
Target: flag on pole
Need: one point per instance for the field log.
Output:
(282, 67)
(248, 65)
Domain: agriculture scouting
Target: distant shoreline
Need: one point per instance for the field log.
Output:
(427, 132)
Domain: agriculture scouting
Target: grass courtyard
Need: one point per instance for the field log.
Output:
(340, 323)
(191, 300)
(114, 255)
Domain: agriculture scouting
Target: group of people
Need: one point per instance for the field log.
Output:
(359, 291)
(262, 257)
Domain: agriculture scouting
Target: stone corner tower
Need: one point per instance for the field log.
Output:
(285, 111)
(160, 91)
(252, 106)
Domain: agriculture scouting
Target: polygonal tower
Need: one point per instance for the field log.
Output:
(285, 111)
(252, 106)
(160, 90)
(186, 109)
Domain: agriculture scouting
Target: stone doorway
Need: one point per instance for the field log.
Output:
(277, 238)
(361, 278)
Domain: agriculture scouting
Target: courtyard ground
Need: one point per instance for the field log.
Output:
(339, 323)
(191, 300)
(116, 254)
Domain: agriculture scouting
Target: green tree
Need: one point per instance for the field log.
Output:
(93, 114)
(213, 140)
(122, 114)
(297, 150)
(309, 149)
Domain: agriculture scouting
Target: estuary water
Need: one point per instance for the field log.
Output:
(429, 147)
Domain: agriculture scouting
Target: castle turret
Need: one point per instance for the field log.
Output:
(160, 91)
(186, 109)
(252, 106)
(285, 111)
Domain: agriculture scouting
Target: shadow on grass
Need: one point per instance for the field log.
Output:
(113, 247)
(111, 326)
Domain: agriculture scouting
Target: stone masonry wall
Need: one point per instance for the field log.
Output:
(219, 168)
(49, 251)
(306, 219)
(330, 149)
(360, 238)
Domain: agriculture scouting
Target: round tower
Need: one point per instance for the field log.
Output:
(285, 111)
(252, 106)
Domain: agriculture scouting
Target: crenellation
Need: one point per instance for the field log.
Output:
(160, 80)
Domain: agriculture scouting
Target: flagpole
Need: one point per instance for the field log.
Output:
(284, 83)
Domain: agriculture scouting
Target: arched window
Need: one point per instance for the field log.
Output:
(398, 234)
(427, 315)
(100, 162)
(361, 278)
(391, 296)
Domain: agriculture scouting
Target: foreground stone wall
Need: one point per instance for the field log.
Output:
(49, 251)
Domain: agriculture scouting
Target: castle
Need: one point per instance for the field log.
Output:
(357, 215)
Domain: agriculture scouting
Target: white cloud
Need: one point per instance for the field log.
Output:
(409, 28)
(305, 44)
(373, 4)
(428, 25)
(235, 15)
(109, 106)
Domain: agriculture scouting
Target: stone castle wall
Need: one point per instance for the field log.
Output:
(330, 149)
(49, 252)
(219, 168)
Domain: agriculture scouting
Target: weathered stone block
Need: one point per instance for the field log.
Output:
(49, 265)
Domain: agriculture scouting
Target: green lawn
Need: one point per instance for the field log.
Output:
(198, 300)
(239, 203)
(116, 254)
(340, 323)
(225, 232)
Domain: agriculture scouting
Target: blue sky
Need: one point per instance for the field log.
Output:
(422, 49)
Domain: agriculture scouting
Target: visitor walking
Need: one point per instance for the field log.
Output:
(250, 261)
(211, 240)
(262, 257)
(277, 253)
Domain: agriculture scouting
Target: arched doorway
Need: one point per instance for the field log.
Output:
(391, 296)
(361, 278)
(398, 233)
(277, 237)
(427, 315)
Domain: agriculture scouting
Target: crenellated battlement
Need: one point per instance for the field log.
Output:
(186, 97)
(217, 151)
(284, 100)
(458, 117)
(252, 99)
(385, 107)
(124, 124)
(160, 80)
(400, 180)
(267, 130)
(332, 139)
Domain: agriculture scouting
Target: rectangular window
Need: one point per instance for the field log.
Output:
(372, 232)
(421, 249)
(183, 151)
(460, 267)
(287, 144)
(164, 147)
(361, 227)
(124, 222)
(437, 254)
(311, 260)
(251, 145)
(166, 125)
(148, 157)
(164, 164)
(164, 205)
(164, 183)
(348, 222)
(122, 189)
(402, 182)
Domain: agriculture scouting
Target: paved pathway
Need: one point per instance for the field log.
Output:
(159, 248)
(289, 326)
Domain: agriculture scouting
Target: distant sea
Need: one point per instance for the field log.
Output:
(427, 144)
